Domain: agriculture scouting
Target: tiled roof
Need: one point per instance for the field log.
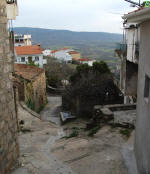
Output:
(54, 51)
(27, 72)
(28, 50)
(141, 8)
(73, 52)
(64, 48)
(85, 59)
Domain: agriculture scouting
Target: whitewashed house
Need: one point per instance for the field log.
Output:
(87, 61)
(62, 54)
(47, 52)
(22, 40)
(30, 54)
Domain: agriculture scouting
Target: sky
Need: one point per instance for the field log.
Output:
(75, 15)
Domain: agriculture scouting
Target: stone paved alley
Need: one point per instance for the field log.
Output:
(44, 151)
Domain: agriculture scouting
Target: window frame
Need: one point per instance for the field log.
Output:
(23, 58)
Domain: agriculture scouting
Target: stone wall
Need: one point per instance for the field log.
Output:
(9, 150)
(35, 91)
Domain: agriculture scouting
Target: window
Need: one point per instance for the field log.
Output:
(17, 40)
(147, 88)
(22, 59)
(36, 58)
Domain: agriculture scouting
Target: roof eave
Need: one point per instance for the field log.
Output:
(138, 17)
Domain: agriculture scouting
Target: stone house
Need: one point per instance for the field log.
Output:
(30, 54)
(142, 140)
(9, 148)
(31, 84)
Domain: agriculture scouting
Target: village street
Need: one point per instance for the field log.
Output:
(43, 150)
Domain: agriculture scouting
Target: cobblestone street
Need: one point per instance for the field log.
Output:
(43, 150)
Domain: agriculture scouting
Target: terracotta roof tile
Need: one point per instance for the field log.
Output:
(85, 59)
(73, 52)
(27, 72)
(54, 51)
(64, 48)
(28, 50)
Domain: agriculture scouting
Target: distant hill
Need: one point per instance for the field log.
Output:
(48, 37)
(98, 45)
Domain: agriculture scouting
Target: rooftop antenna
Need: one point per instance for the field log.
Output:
(134, 3)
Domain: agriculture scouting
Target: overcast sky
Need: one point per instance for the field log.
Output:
(75, 15)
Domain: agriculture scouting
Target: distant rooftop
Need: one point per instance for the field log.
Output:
(73, 52)
(28, 50)
(85, 59)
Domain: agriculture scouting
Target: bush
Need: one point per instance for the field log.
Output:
(56, 72)
(90, 86)
(75, 133)
(93, 131)
(126, 132)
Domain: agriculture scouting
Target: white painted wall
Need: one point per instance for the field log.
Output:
(47, 52)
(39, 62)
(132, 37)
(63, 55)
(90, 63)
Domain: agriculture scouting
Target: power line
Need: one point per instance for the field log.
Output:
(134, 3)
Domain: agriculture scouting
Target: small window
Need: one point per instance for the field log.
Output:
(36, 58)
(147, 88)
(17, 40)
(22, 59)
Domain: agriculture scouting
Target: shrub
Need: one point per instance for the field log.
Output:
(93, 131)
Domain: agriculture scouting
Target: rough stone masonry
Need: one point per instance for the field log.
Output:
(9, 150)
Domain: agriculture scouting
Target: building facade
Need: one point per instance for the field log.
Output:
(142, 148)
(30, 55)
(86, 61)
(47, 52)
(128, 52)
(63, 56)
(22, 40)
(75, 55)
(9, 148)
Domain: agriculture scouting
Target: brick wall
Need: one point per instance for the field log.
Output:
(9, 150)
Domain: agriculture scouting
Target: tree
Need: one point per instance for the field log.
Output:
(90, 86)
(56, 72)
